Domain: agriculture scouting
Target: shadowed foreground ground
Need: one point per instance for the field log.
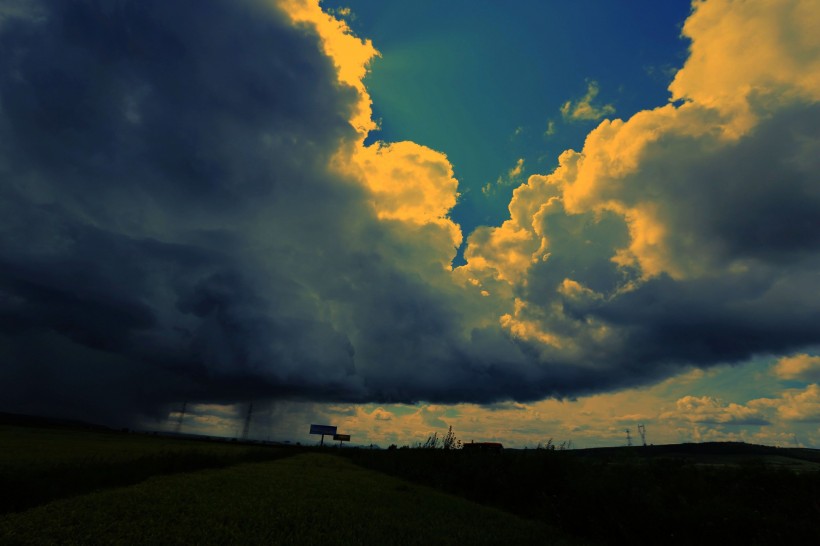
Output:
(306, 499)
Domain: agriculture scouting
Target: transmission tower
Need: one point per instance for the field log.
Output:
(247, 428)
(178, 427)
(642, 431)
(628, 438)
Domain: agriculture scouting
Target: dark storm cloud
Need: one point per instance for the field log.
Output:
(668, 323)
(160, 161)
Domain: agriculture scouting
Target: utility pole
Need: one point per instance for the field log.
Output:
(178, 427)
(628, 438)
(247, 428)
(642, 431)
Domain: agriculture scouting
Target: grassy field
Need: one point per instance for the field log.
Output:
(311, 498)
(38, 464)
(63, 485)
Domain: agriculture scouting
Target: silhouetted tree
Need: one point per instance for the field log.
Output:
(450, 441)
(431, 443)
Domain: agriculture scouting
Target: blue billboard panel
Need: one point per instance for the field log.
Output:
(322, 429)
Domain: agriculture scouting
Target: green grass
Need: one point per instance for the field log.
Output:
(307, 499)
(40, 464)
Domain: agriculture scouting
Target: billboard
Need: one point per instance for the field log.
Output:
(341, 437)
(322, 429)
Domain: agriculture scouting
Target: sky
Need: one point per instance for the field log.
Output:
(545, 220)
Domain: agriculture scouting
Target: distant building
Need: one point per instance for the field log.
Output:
(483, 446)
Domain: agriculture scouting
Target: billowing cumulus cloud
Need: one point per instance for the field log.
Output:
(189, 211)
(685, 234)
(413, 184)
(744, 53)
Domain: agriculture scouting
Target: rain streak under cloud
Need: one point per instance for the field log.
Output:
(189, 211)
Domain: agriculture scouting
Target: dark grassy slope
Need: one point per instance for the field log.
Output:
(50, 461)
(309, 499)
(671, 495)
(719, 452)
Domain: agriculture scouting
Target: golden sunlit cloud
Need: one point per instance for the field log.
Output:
(706, 409)
(800, 366)
(750, 52)
(798, 405)
(351, 55)
(411, 183)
